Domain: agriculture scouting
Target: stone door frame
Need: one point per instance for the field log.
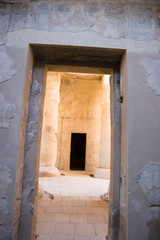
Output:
(25, 228)
(75, 69)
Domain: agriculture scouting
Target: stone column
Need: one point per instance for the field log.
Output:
(49, 129)
(104, 161)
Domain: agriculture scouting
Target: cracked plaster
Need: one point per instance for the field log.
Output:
(31, 132)
(149, 181)
(36, 88)
(4, 22)
(28, 194)
(5, 181)
(112, 19)
(153, 222)
(6, 65)
(7, 112)
(152, 70)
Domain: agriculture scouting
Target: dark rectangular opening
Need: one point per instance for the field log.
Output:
(78, 151)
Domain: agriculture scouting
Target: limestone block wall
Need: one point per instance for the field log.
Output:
(83, 107)
(48, 154)
(105, 142)
(79, 112)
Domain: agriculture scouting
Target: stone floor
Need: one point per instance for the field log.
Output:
(76, 212)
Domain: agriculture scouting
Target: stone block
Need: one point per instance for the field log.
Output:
(96, 218)
(45, 228)
(78, 218)
(61, 218)
(64, 229)
(101, 229)
(84, 229)
(102, 173)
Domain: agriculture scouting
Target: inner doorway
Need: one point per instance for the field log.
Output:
(76, 137)
(78, 151)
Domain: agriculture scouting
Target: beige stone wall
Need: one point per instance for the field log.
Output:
(105, 125)
(83, 107)
(75, 103)
(48, 153)
(79, 112)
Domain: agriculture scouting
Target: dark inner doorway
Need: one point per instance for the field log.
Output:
(78, 151)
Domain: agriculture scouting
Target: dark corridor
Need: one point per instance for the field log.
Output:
(78, 151)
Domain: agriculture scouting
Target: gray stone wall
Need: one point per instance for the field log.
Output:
(128, 19)
(118, 24)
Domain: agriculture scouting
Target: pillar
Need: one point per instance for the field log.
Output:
(48, 154)
(104, 160)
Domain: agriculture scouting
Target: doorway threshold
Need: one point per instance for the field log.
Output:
(75, 173)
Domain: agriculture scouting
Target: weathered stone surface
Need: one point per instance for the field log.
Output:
(152, 69)
(5, 181)
(5, 233)
(80, 111)
(93, 21)
(14, 1)
(149, 181)
(147, 2)
(6, 65)
(28, 194)
(112, 19)
(4, 21)
(36, 88)
(153, 222)
(140, 22)
(31, 132)
(158, 20)
(7, 112)
(48, 153)
(18, 196)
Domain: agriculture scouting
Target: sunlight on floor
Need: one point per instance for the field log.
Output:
(76, 212)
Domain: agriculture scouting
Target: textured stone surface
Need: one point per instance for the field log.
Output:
(5, 181)
(152, 69)
(59, 16)
(31, 132)
(149, 181)
(14, 1)
(28, 187)
(69, 197)
(36, 88)
(112, 19)
(6, 65)
(4, 22)
(133, 25)
(48, 154)
(153, 222)
(141, 24)
(7, 112)
(80, 111)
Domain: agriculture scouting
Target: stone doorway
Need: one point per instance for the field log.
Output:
(36, 102)
(75, 102)
(75, 136)
(78, 151)
(95, 119)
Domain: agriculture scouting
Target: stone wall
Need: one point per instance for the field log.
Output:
(133, 25)
(79, 112)
(48, 153)
(82, 106)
